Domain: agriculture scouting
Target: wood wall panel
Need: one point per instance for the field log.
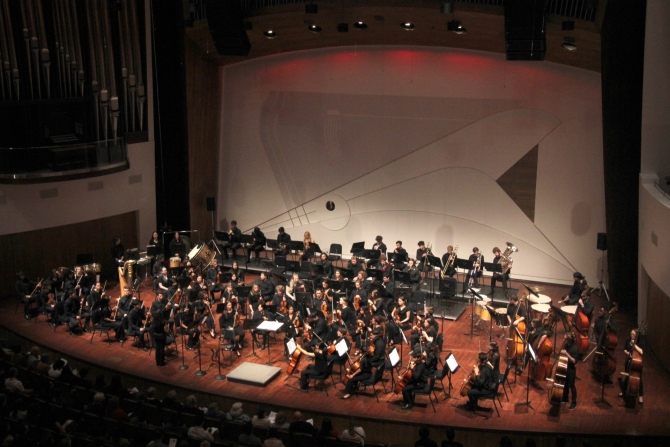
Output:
(203, 96)
(37, 252)
(658, 330)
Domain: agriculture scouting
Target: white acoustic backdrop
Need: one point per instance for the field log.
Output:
(446, 146)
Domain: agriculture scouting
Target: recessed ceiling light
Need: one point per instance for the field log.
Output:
(270, 34)
(314, 28)
(409, 26)
(360, 25)
(460, 29)
(569, 46)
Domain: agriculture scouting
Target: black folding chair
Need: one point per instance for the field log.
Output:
(372, 381)
(427, 391)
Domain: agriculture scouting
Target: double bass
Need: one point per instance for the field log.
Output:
(604, 363)
(581, 324)
(540, 370)
(515, 340)
(559, 378)
(634, 367)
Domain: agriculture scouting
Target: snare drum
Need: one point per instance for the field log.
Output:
(541, 299)
(539, 310)
(201, 256)
(501, 317)
(482, 311)
(175, 262)
(92, 268)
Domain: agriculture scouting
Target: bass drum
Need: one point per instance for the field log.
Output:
(201, 256)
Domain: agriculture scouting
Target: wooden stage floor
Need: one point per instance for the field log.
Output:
(613, 418)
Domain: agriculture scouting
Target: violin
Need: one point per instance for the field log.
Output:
(337, 317)
(357, 303)
(283, 308)
(296, 321)
(324, 310)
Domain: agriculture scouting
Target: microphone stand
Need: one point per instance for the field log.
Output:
(199, 372)
(526, 351)
(472, 308)
(220, 376)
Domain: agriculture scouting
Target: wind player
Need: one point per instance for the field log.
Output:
(503, 277)
(136, 326)
(476, 266)
(421, 254)
(414, 274)
(451, 271)
(258, 244)
(283, 240)
(401, 252)
(308, 241)
(109, 321)
(233, 243)
(379, 245)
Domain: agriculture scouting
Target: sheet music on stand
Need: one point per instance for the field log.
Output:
(452, 363)
(403, 337)
(532, 353)
(269, 326)
(394, 357)
(291, 347)
(342, 348)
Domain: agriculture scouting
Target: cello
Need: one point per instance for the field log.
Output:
(405, 378)
(540, 370)
(634, 367)
(294, 360)
(603, 362)
(515, 341)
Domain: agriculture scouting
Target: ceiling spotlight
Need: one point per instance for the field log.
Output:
(409, 26)
(360, 25)
(270, 34)
(314, 28)
(460, 29)
(456, 26)
(569, 46)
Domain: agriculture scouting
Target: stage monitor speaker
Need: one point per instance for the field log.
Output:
(602, 241)
(211, 204)
(226, 25)
(448, 287)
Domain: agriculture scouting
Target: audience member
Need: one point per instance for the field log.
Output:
(424, 440)
(247, 438)
(299, 425)
(261, 418)
(280, 421)
(198, 432)
(272, 440)
(14, 384)
(449, 442)
(327, 430)
(236, 413)
(353, 433)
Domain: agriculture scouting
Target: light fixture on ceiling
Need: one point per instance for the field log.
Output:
(569, 44)
(360, 25)
(314, 28)
(407, 26)
(456, 26)
(270, 34)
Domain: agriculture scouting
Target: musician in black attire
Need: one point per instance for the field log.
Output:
(632, 343)
(135, 324)
(485, 382)
(494, 358)
(427, 330)
(319, 369)
(158, 266)
(124, 305)
(451, 271)
(600, 324)
(258, 316)
(319, 329)
(267, 288)
(419, 379)
(156, 241)
(229, 330)
(503, 277)
(403, 322)
(401, 252)
(69, 314)
(108, 321)
(211, 277)
(233, 243)
(421, 254)
(476, 266)
(414, 274)
(572, 353)
(159, 337)
(341, 335)
(117, 251)
(536, 337)
(575, 290)
(348, 314)
(283, 240)
(516, 312)
(354, 378)
(355, 266)
(378, 357)
(187, 326)
(258, 244)
(327, 266)
(23, 287)
(585, 303)
(379, 245)
(177, 246)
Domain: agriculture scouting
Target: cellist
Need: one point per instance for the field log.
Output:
(536, 337)
(320, 367)
(419, 379)
(632, 344)
(364, 372)
(485, 382)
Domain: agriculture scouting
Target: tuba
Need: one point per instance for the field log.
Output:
(506, 259)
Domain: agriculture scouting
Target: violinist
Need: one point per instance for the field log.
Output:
(163, 281)
(426, 331)
(197, 286)
(414, 274)
(575, 292)
(379, 245)
(535, 338)
(283, 240)
(360, 293)
(485, 382)
(341, 335)
(320, 301)
(203, 311)
(377, 303)
(136, 327)
(318, 328)
(365, 283)
(267, 288)
(601, 324)
(258, 316)
(295, 285)
(571, 352)
(378, 356)
(339, 279)
(233, 243)
(420, 377)
(255, 295)
(320, 367)
(348, 314)
(212, 277)
(238, 272)
(402, 321)
(230, 328)
(364, 372)
(308, 242)
(327, 292)
(327, 265)
(451, 271)
(257, 245)
(356, 265)
(632, 344)
(186, 324)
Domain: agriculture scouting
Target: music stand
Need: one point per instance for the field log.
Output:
(304, 299)
(374, 273)
(472, 315)
(293, 266)
(529, 348)
(466, 265)
(398, 257)
(372, 254)
(347, 272)
(452, 367)
(251, 325)
(315, 249)
(357, 248)
(221, 236)
(273, 245)
(295, 246)
(270, 326)
(394, 361)
(403, 277)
